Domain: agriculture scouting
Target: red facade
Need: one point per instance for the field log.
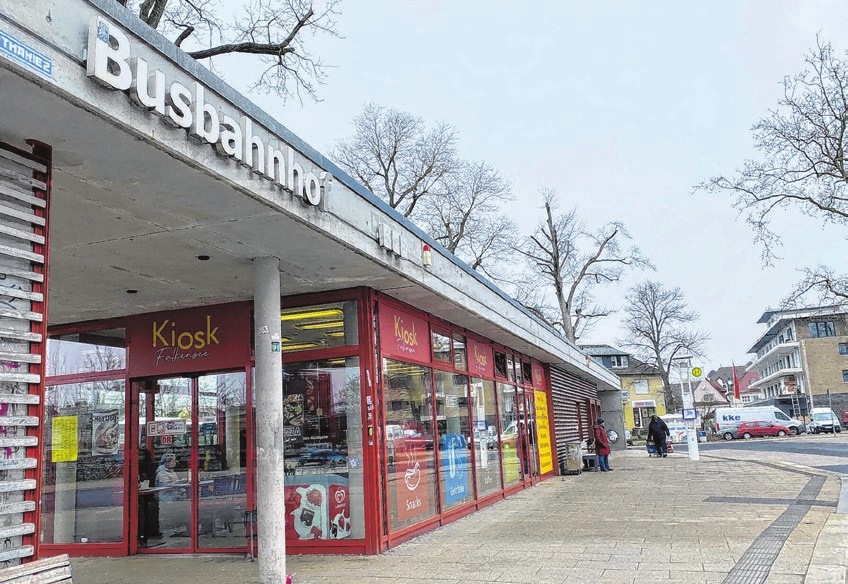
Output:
(377, 449)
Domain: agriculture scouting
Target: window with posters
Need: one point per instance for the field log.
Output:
(454, 429)
(323, 449)
(83, 465)
(485, 417)
(409, 442)
(510, 434)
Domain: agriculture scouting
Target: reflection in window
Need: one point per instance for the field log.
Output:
(454, 439)
(510, 434)
(409, 443)
(323, 449)
(500, 364)
(319, 327)
(528, 372)
(441, 347)
(640, 386)
(83, 466)
(822, 329)
(103, 350)
(460, 355)
(487, 458)
(221, 460)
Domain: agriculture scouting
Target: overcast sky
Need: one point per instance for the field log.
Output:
(622, 107)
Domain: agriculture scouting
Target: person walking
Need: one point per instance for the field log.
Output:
(602, 447)
(657, 432)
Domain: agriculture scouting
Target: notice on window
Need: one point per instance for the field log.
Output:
(543, 430)
(65, 443)
(104, 432)
(166, 428)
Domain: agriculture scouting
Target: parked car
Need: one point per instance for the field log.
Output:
(628, 437)
(823, 420)
(727, 420)
(323, 457)
(760, 428)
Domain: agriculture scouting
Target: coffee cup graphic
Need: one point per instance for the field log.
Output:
(412, 477)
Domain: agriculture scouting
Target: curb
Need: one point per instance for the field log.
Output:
(829, 564)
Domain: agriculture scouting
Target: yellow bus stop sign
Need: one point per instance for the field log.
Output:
(697, 372)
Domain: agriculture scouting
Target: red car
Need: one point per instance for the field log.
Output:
(751, 429)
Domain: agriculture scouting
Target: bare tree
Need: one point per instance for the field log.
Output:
(574, 260)
(803, 147)
(272, 31)
(397, 158)
(469, 220)
(658, 329)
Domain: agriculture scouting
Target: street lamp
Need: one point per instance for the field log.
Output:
(688, 403)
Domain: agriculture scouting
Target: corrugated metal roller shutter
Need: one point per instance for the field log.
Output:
(571, 395)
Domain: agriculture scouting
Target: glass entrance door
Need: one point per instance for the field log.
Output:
(192, 467)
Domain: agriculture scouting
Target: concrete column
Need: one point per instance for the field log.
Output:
(268, 392)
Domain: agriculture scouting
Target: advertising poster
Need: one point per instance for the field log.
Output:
(339, 515)
(306, 511)
(293, 417)
(543, 432)
(104, 432)
(412, 482)
(454, 462)
(318, 510)
(512, 472)
(65, 447)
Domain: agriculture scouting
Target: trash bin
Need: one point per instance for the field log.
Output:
(572, 461)
(702, 435)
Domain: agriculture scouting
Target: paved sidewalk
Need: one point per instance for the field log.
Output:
(651, 520)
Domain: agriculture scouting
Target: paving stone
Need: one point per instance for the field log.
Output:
(624, 530)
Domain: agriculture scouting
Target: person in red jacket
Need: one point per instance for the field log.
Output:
(602, 447)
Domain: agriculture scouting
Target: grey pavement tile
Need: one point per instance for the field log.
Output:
(773, 578)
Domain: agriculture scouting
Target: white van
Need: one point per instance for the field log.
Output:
(823, 420)
(728, 419)
(676, 428)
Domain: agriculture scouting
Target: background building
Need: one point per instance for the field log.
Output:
(802, 359)
(641, 385)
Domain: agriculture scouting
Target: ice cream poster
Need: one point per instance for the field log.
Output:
(316, 511)
(104, 432)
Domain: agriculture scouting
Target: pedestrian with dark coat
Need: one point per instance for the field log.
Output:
(657, 432)
(602, 447)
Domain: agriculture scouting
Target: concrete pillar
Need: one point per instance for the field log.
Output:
(268, 392)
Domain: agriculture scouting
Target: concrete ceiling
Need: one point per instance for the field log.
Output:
(126, 216)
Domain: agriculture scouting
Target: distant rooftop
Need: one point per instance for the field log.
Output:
(602, 350)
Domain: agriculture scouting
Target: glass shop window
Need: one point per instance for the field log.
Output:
(322, 434)
(102, 350)
(319, 327)
(500, 364)
(441, 347)
(510, 434)
(409, 437)
(83, 465)
(454, 426)
(460, 354)
(486, 455)
(527, 372)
